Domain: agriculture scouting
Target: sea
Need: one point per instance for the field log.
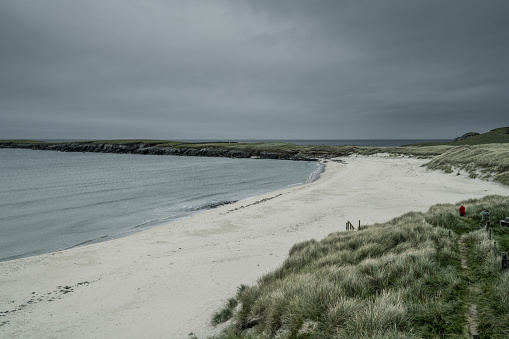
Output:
(51, 201)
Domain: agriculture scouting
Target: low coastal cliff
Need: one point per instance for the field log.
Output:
(263, 150)
(158, 150)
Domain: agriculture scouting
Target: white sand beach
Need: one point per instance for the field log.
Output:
(167, 282)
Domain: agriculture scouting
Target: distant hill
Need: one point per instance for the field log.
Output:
(497, 135)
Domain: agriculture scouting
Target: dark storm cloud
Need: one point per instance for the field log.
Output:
(252, 69)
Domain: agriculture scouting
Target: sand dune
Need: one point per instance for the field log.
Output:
(167, 282)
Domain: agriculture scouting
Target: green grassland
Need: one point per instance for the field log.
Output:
(289, 149)
(148, 142)
(497, 135)
(400, 279)
(21, 141)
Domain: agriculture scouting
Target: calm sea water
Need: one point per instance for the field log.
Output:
(51, 200)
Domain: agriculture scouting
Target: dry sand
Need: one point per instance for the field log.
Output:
(167, 282)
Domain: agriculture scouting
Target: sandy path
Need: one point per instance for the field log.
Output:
(166, 282)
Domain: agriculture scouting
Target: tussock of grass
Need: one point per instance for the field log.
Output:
(226, 313)
(401, 279)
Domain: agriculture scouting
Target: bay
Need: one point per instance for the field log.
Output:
(51, 201)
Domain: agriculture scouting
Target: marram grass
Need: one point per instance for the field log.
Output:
(486, 161)
(400, 279)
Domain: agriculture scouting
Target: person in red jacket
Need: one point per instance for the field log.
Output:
(462, 210)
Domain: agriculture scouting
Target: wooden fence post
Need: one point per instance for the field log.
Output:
(505, 263)
(495, 249)
(489, 234)
(359, 228)
(349, 226)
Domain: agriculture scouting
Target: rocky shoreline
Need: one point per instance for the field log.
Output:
(157, 150)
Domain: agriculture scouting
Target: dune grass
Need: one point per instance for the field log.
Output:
(400, 279)
(486, 161)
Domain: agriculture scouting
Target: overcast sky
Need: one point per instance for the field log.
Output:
(260, 69)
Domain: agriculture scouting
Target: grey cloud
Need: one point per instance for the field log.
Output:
(252, 69)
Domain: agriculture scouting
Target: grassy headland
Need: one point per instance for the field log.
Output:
(21, 141)
(497, 135)
(414, 276)
(232, 149)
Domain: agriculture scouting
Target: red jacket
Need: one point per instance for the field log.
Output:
(462, 209)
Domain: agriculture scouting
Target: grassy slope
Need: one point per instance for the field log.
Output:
(400, 279)
(497, 135)
(485, 155)
(485, 160)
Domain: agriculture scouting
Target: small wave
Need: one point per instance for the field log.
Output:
(316, 173)
(86, 242)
